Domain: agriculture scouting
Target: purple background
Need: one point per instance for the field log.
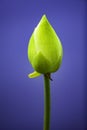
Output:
(21, 98)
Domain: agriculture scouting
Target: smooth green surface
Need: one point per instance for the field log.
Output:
(34, 74)
(45, 49)
(46, 103)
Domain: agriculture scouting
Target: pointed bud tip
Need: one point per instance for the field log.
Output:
(44, 18)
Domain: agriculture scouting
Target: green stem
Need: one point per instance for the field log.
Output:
(46, 103)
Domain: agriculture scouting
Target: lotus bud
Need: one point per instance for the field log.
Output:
(44, 49)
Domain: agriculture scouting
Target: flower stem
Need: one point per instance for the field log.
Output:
(46, 102)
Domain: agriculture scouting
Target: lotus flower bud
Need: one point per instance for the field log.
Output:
(45, 49)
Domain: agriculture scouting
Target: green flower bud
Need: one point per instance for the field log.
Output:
(45, 49)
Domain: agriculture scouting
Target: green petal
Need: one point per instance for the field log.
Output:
(41, 64)
(34, 74)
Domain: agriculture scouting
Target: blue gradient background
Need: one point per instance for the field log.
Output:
(21, 98)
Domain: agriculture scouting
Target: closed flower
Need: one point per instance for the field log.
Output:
(45, 49)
